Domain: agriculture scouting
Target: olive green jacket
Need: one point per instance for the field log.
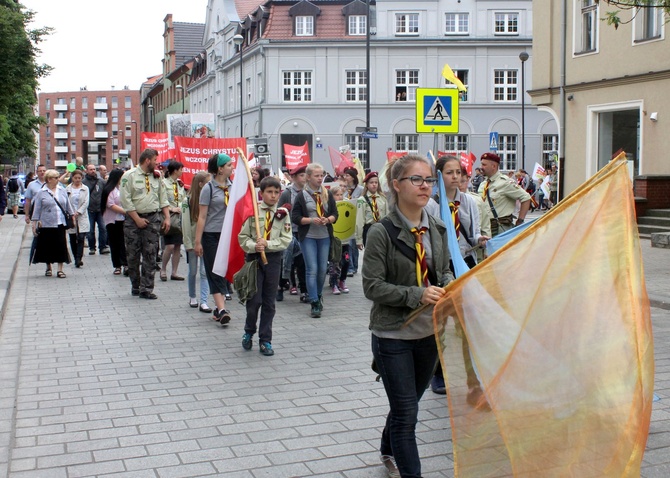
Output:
(389, 277)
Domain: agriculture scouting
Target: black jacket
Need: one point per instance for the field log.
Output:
(300, 210)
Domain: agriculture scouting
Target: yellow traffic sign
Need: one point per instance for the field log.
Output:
(436, 110)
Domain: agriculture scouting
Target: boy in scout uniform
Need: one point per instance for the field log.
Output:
(145, 201)
(275, 228)
(500, 194)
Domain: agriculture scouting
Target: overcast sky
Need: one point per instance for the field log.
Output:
(101, 44)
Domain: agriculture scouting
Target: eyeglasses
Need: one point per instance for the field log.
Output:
(418, 181)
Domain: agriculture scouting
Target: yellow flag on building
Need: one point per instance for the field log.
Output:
(450, 76)
(559, 329)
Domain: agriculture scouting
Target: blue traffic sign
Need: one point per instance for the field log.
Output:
(366, 134)
(436, 110)
(493, 141)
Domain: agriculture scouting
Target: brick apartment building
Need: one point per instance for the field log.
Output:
(103, 127)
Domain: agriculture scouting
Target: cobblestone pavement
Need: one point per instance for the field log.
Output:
(98, 383)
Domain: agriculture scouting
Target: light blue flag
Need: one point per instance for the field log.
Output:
(495, 243)
(460, 267)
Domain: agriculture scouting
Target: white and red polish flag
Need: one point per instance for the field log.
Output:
(229, 255)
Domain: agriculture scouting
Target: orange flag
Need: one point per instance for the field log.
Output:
(559, 329)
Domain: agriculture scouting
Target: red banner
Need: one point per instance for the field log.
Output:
(467, 160)
(159, 142)
(296, 156)
(194, 153)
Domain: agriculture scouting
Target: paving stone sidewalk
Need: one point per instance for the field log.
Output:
(99, 383)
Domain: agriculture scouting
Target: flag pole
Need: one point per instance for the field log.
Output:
(254, 201)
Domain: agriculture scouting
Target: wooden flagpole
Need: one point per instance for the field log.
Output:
(254, 201)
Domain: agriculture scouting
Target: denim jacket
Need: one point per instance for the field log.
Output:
(389, 277)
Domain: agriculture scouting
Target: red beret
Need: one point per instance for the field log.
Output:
(491, 157)
(370, 175)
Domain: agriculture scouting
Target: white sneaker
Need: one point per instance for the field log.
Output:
(193, 302)
(391, 468)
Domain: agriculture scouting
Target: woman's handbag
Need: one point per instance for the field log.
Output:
(175, 225)
(69, 220)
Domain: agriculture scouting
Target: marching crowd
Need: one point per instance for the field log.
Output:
(145, 216)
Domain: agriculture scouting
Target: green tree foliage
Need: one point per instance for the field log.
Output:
(613, 18)
(19, 75)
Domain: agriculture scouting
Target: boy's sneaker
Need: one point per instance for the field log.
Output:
(316, 310)
(343, 287)
(246, 341)
(266, 348)
(336, 291)
(294, 291)
(280, 295)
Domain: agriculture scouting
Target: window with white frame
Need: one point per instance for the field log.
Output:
(357, 147)
(407, 142)
(648, 23)
(505, 85)
(464, 76)
(456, 143)
(406, 23)
(406, 83)
(506, 23)
(586, 28)
(356, 87)
(457, 23)
(549, 147)
(298, 86)
(304, 26)
(507, 144)
(357, 24)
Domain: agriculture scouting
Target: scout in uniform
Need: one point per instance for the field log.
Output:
(145, 202)
(371, 207)
(275, 227)
(500, 194)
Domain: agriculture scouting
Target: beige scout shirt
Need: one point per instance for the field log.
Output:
(504, 193)
(364, 213)
(281, 233)
(174, 192)
(142, 192)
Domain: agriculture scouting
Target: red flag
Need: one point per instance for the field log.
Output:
(229, 255)
(391, 155)
(467, 160)
(296, 156)
(339, 161)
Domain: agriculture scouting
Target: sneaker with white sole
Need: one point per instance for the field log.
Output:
(342, 285)
(336, 291)
(391, 467)
(246, 341)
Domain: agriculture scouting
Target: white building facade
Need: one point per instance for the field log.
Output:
(304, 76)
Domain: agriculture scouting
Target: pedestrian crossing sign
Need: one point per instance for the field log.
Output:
(436, 110)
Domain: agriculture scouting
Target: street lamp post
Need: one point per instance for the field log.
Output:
(181, 89)
(523, 56)
(238, 40)
(151, 118)
(367, 81)
(136, 147)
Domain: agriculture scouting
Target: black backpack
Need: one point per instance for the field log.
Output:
(13, 185)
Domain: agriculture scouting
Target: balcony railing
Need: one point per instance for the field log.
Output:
(60, 135)
(101, 135)
(60, 149)
(101, 120)
(99, 106)
(60, 107)
(60, 121)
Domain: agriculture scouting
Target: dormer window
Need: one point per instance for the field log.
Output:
(357, 24)
(304, 16)
(304, 26)
(406, 23)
